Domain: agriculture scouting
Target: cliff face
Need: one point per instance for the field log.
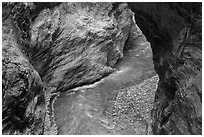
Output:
(174, 31)
(23, 102)
(80, 43)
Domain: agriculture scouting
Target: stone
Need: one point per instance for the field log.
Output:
(77, 44)
(23, 99)
(174, 31)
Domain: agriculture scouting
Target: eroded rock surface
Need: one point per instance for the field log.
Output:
(179, 111)
(23, 100)
(174, 31)
(82, 43)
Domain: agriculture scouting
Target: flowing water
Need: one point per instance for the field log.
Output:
(118, 104)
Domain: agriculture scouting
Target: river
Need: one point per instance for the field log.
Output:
(118, 104)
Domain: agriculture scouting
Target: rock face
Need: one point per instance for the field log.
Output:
(77, 45)
(174, 31)
(23, 104)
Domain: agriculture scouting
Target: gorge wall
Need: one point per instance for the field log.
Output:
(55, 47)
(23, 93)
(175, 33)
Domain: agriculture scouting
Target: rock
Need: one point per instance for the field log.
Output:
(76, 45)
(174, 31)
(182, 112)
(23, 101)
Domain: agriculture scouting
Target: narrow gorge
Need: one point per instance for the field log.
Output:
(101, 68)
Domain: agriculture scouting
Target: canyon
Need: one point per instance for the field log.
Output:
(102, 68)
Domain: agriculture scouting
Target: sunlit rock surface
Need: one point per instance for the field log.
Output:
(77, 43)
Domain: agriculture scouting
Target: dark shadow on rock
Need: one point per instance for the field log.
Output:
(174, 31)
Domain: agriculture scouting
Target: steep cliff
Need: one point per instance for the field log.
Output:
(175, 33)
(23, 100)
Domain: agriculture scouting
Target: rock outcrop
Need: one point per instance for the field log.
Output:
(23, 100)
(174, 31)
(76, 44)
